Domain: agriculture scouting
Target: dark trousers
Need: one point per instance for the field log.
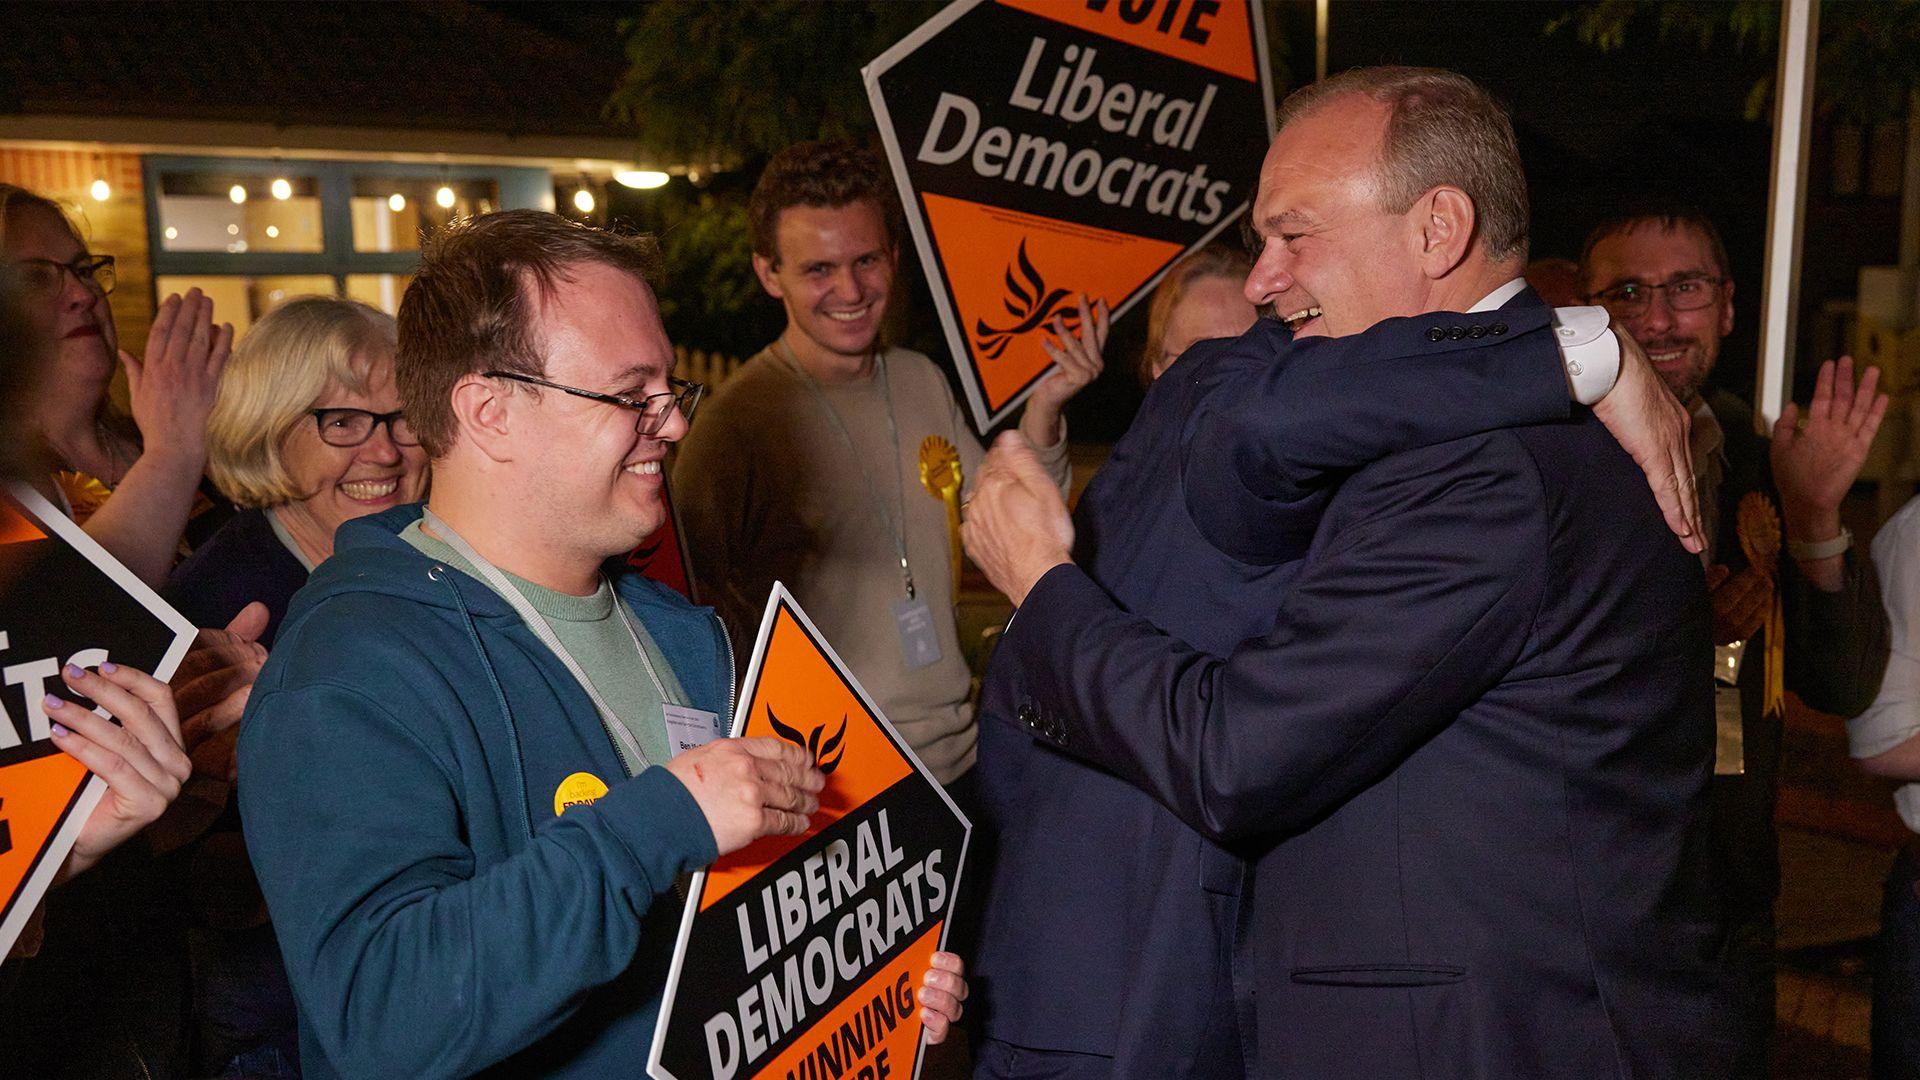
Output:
(1896, 974)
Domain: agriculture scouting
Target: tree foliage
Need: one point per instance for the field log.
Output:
(730, 82)
(711, 299)
(1868, 63)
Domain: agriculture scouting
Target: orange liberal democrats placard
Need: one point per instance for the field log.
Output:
(1050, 149)
(800, 957)
(63, 600)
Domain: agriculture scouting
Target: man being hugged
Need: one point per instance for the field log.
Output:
(456, 770)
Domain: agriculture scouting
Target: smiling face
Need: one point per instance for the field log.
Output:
(352, 481)
(1331, 260)
(1683, 345)
(75, 315)
(834, 273)
(591, 475)
(1211, 307)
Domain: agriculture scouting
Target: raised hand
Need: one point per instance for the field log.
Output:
(1080, 358)
(1653, 428)
(1816, 462)
(172, 387)
(750, 788)
(141, 758)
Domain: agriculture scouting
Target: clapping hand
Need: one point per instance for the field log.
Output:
(1740, 602)
(1014, 524)
(212, 686)
(172, 387)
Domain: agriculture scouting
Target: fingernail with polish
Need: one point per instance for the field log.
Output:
(74, 672)
(61, 731)
(108, 667)
(53, 702)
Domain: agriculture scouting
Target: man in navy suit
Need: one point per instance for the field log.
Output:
(1467, 748)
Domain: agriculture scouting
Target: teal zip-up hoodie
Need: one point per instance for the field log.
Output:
(399, 760)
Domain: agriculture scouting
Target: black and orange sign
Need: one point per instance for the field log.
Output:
(63, 600)
(800, 957)
(1046, 149)
(663, 555)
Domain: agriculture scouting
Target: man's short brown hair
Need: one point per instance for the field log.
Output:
(825, 174)
(472, 303)
(1443, 128)
(1668, 217)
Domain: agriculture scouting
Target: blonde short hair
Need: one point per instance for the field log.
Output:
(278, 371)
(1217, 259)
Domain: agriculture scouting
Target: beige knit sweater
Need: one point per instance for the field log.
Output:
(768, 489)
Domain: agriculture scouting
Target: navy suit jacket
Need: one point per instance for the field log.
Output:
(1109, 920)
(1467, 750)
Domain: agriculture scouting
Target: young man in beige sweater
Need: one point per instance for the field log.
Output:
(804, 467)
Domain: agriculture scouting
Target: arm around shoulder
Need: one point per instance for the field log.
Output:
(1330, 406)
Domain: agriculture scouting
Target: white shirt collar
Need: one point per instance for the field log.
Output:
(1501, 295)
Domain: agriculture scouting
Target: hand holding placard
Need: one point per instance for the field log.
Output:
(141, 759)
(750, 788)
(816, 951)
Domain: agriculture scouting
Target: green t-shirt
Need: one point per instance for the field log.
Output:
(592, 630)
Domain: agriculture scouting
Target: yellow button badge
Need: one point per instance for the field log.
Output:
(580, 789)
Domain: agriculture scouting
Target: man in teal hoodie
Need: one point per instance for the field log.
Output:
(457, 771)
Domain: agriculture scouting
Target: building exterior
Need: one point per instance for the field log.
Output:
(263, 151)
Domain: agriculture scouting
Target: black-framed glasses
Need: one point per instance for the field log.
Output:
(43, 276)
(1683, 294)
(352, 427)
(653, 409)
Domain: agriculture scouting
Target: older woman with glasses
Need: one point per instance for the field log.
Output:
(130, 482)
(306, 433)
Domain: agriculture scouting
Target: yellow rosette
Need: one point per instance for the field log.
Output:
(940, 475)
(1759, 528)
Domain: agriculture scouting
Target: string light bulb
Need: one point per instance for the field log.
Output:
(238, 193)
(643, 179)
(100, 190)
(282, 188)
(583, 200)
(444, 197)
(396, 202)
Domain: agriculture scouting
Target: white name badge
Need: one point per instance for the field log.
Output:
(919, 641)
(688, 727)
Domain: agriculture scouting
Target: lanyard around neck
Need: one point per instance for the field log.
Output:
(543, 630)
(896, 530)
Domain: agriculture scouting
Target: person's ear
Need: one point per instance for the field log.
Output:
(763, 268)
(1444, 220)
(1726, 307)
(483, 415)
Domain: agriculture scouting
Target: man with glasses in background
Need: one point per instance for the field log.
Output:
(1663, 272)
(483, 750)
